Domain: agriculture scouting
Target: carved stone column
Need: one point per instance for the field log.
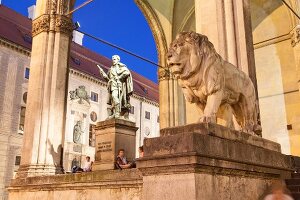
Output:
(227, 23)
(45, 113)
(164, 98)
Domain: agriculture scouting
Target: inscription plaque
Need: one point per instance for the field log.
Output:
(104, 146)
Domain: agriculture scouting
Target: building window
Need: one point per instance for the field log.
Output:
(93, 116)
(25, 97)
(145, 90)
(76, 60)
(92, 136)
(22, 120)
(158, 119)
(94, 96)
(147, 115)
(27, 70)
(18, 160)
(132, 110)
(27, 38)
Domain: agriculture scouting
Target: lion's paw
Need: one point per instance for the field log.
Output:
(208, 119)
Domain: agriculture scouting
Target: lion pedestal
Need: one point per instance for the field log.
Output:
(208, 161)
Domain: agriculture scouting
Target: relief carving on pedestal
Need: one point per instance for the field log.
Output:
(219, 89)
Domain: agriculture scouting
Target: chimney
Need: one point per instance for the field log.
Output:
(77, 37)
(31, 12)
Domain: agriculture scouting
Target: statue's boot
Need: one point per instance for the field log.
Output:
(110, 113)
(117, 111)
(111, 116)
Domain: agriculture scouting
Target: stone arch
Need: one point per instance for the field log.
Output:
(188, 21)
(261, 10)
(157, 31)
(183, 17)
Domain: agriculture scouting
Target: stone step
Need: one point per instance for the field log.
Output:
(296, 175)
(294, 188)
(296, 195)
(293, 182)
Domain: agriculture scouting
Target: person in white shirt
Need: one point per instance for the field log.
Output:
(88, 165)
(279, 192)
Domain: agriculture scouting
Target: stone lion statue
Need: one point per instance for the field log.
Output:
(219, 89)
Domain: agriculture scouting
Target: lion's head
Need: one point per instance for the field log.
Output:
(186, 53)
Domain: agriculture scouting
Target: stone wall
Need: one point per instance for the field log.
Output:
(276, 70)
(208, 161)
(113, 184)
(12, 69)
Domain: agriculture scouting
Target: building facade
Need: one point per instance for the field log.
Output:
(15, 50)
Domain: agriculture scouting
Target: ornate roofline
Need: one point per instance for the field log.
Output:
(14, 46)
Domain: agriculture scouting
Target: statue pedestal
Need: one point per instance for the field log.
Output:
(112, 135)
(208, 161)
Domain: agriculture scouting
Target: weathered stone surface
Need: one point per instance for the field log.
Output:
(206, 161)
(112, 135)
(110, 184)
(205, 144)
(222, 132)
(195, 162)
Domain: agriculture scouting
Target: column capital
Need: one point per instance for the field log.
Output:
(52, 22)
(64, 24)
(40, 24)
(164, 74)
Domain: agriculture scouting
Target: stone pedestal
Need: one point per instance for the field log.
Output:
(208, 161)
(112, 135)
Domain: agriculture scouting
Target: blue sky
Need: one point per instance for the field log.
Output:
(117, 21)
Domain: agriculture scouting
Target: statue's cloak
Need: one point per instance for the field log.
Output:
(126, 87)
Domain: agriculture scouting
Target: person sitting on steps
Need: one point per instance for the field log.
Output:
(121, 161)
(87, 166)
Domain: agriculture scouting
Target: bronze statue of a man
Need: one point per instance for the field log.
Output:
(120, 88)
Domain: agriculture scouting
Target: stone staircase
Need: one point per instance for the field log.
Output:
(293, 184)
